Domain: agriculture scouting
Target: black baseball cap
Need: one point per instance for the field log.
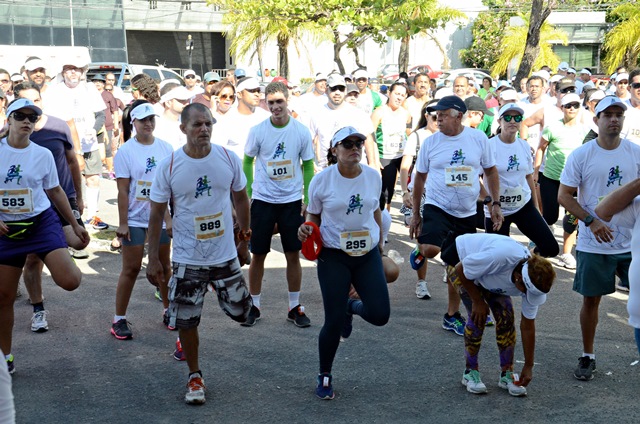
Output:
(449, 102)
(477, 104)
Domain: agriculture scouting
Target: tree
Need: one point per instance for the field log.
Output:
(622, 43)
(487, 30)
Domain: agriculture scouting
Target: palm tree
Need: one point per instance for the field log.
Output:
(622, 43)
(513, 43)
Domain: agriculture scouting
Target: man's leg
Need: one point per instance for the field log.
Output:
(10, 278)
(190, 344)
(294, 273)
(589, 321)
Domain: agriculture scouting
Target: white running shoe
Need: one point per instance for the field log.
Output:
(567, 260)
(422, 292)
(39, 322)
(472, 381)
(195, 391)
(506, 382)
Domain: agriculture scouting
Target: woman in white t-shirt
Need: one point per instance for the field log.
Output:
(490, 269)
(135, 166)
(28, 224)
(344, 202)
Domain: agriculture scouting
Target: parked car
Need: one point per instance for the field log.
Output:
(124, 72)
(478, 74)
(412, 71)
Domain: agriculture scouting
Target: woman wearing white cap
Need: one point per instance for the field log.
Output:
(490, 269)
(344, 203)
(28, 224)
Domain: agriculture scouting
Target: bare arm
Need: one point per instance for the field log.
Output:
(532, 187)
(155, 270)
(59, 199)
(602, 233)
(492, 179)
(377, 215)
(416, 221)
(618, 200)
(407, 160)
(76, 143)
(76, 176)
(528, 334)
(537, 161)
(123, 208)
(479, 308)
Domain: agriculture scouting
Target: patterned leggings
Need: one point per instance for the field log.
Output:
(502, 310)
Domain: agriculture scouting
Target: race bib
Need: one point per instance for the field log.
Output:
(280, 170)
(209, 226)
(143, 190)
(512, 198)
(394, 143)
(458, 176)
(16, 201)
(355, 243)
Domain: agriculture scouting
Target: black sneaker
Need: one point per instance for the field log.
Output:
(254, 316)
(121, 330)
(297, 316)
(586, 368)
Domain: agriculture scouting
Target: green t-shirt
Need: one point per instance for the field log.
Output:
(562, 141)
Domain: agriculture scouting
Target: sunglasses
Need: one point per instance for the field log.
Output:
(568, 90)
(134, 89)
(189, 77)
(19, 116)
(635, 85)
(348, 144)
(338, 88)
(517, 118)
(226, 97)
(573, 105)
(362, 80)
(252, 91)
(211, 82)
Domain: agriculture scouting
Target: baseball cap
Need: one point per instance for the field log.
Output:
(534, 295)
(17, 77)
(361, 73)
(77, 62)
(621, 77)
(597, 95)
(449, 102)
(443, 92)
(502, 84)
(344, 133)
(509, 107)
(563, 66)
(34, 63)
(585, 71)
(571, 71)
(142, 111)
(239, 73)
(189, 72)
(99, 77)
(349, 76)
(351, 88)
(475, 103)
(23, 104)
(178, 93)
(211, 76)
(565, 83)
(571, 98)
(282, 80)
(247, 84)
(609, 101)
(542, 74)
(320, 77)
(555, 78)
(335, 79)
(509, 94)
(198, 78)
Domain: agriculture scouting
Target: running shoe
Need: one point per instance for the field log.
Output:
(252, 318)
(195, 390)
(298, 317)
(166, 321)
(454, 323)
(567, 260)
(11, 367)
(78, 254)
(39, 322)
(586, 368)
(96, 223)
(178, 354)
(507, 382)
(158, 295)
(422, 292)
(121, 330)
(471, 380)
(324, 389)
(490, 322)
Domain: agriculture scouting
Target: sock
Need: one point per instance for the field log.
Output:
(294, 299)
(117, 318)
(256, 300)
(195, 374)
(590, 355)
(37, 307)
(93, 196)
(637, 331)
(8, 357)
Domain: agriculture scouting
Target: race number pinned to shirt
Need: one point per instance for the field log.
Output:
(355, 243)
(143, 190)
(16, 201)
(209, 226)
(280, 170)
(458, 176)
(512, 198)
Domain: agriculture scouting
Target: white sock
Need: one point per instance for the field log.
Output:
(590, 355)
(117, 318)
(294, 299)
(93, 196)
(256, 300)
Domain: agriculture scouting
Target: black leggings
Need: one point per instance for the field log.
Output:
(549, 196)
(336, 272)
(389, 178)
(531, 224)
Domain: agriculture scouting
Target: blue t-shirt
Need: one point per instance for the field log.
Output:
(56, 137)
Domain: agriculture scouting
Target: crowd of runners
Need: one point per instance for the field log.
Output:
(207, 172)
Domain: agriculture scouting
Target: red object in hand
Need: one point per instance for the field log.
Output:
(312, 247)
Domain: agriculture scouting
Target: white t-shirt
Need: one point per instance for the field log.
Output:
(631, 125)
(597, 172)
(514, 163)
(489, 260)
(391, 134)
(325, 122)
(26, 173)
(201, 191)
(535, 132)
(415, 108)
(235, 129)
(309, 103)
(139, 162)
(80, 104)
(345, 204)
(454, 165)
(170, 132)
(278, 153)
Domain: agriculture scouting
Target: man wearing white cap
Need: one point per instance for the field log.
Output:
(190, 82)
(585, 78)
(595, 169)
(563, 67)
(174, 98)
(368, 100)
(631, 127)
(36, 72)
(310, 102)
(622, 87)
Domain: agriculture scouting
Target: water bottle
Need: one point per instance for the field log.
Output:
(395, 257)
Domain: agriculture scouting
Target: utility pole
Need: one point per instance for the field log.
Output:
(189, 46)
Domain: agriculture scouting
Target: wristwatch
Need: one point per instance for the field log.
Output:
(487, 200)
(496, 203)
(588, 220)
(244, 235)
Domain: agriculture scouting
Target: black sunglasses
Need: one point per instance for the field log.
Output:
(517, 118)
(19, 116)
(348, 144)
(189, 77)
(572, 105)
(338, 88)
(253, 90)
(635, 85)
(568, 90)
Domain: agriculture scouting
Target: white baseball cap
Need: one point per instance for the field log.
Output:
(178, 93)
(621, 77)
(585, 71)
(34, 63)
(344, 133)
(360, 73)
(571, 98)
(510, 107)
(189, 72)
(563, 66)
(608, 102)
(142, 111)
(248, 84)
(509, 94)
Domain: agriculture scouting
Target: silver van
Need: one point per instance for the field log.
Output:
(124, 72)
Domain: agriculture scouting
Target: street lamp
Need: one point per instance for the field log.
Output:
(189, 46)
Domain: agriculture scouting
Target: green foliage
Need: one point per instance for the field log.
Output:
(487, 31)
(622, 43)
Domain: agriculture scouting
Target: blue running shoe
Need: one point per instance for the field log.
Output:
(96, 223)
(455, 323)
(324, 389)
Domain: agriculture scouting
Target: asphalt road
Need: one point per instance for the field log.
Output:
(406, 372)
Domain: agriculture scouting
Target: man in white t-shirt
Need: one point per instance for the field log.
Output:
(453, 159)
(201, 179)
(283, 153)
(420, 96)
(631, 127)
(595, 169)
(368, 100)
(308, 103)
(622, 87)
(174, 98)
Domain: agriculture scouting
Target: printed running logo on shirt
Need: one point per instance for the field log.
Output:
(151, 163)
(614, 175)
(203, 186)
(13, 173)
(458, 156)
(355, 202)
(279, 151)
(513, 163)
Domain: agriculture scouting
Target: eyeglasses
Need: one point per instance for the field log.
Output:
(507, 118)
(348, 144)
(189, 77)
(635, 85)
(568, 90)
(253, 90)
(226, 97)
(572, 105)
(338, 88)
(19, 116)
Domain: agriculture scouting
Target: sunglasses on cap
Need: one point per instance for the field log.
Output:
(348, 144)
(19, 116)
(508, 118)
(338, 88)
(568, 90)
(635, 85)
(572, 105)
